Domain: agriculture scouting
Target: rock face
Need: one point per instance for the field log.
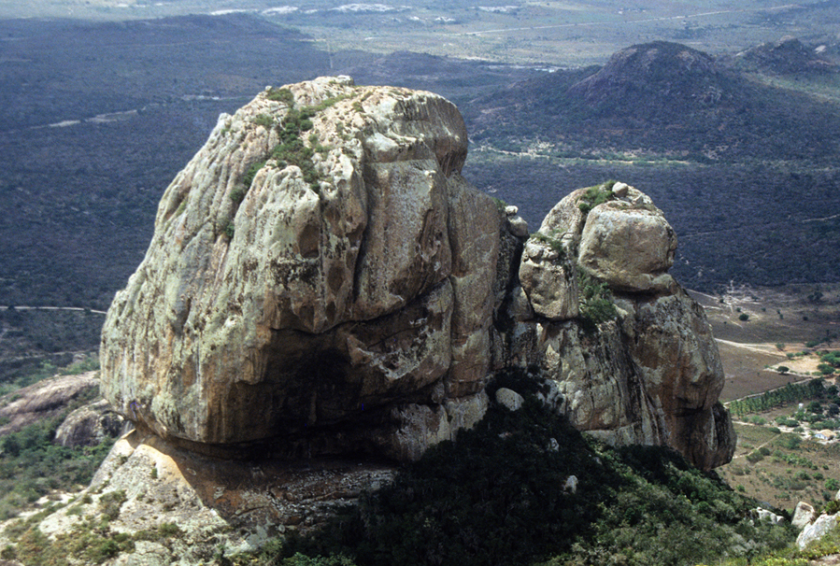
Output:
(630, 352)
(319, 262)
(44, 400)
(322, 280)
(816, 530)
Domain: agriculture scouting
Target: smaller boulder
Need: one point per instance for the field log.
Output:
(629, 246)
(518, 226)
(620, 190)
(803, 515)
(548, 279)
(89, 425)
(571, 485)
(763, 515)
(509, 398)
(815, 531)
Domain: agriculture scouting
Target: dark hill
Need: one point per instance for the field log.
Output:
(745, 172)
(642, 80)
(665, 98)
(787, 56)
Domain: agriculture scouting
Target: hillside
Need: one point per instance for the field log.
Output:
(699, 136)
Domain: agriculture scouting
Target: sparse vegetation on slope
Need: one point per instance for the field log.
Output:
(501, 494)
(31, 466)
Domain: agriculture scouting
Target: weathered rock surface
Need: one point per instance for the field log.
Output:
(628, 246)
(652, 375)
(89, 425)
(816, 530)
(219, 506)
(349, 279)
(322, 279)
(803, 515)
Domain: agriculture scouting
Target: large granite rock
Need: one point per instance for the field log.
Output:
(650, 373)
(319, 263)
(322, 280)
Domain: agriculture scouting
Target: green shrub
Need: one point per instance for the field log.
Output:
(250, 173)
(593, 196)
(265, 121)
(300, 560)
(281, 95)
(110, 503)
(237, 194)
(754, 457)
(596, 302)
(553, 243)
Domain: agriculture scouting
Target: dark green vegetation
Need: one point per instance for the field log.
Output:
(498, 496)
(33, 343)
(31, 466)
(291, 149)
(696, 136)
(79, 200)
(790, 393)
(596, 302)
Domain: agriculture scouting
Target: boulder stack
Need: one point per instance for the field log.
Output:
(322, 280)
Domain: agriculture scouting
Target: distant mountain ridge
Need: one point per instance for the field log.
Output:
(662, 97)
(746, 172)
(789, 56)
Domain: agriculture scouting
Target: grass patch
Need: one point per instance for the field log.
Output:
(553, 243)
(596, 302)
(593, 196)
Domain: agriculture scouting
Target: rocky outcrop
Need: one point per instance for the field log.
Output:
(320, 263)
(803, 515)
(823, 525)
(45, 400)
(89, 425)
(322, 280)
(186, 508)
(631, 354)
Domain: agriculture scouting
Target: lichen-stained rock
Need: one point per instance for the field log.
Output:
(652, 374)
(628, 244)
(307, 271)
(474, 226)
(323, 281)
(549, 279)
